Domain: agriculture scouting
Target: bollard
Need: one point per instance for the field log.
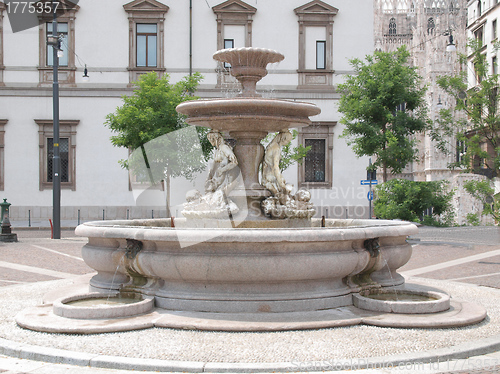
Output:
(5, 209)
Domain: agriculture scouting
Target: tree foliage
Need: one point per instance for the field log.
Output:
(485, 192)
(408, 200)
(149, 114)
(383, 106)
(478, 122)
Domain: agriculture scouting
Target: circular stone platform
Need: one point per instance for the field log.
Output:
(46, 318)
(187, 350)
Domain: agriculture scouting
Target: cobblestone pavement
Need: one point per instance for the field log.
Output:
(463, 254)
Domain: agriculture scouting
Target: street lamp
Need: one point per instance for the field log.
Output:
(439, 104)
(450, 47)
(85, 76)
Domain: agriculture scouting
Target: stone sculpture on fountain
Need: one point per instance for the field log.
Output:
(282, 204)
(221, 180)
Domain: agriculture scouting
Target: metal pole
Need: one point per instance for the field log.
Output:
(190, 37)
(56, 163)
(370, 193)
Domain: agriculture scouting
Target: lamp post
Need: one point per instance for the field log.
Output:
(56, 161)
(450, 47)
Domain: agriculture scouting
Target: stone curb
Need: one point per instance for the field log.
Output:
(60, 356)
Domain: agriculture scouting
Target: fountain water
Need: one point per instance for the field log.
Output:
(279, 268)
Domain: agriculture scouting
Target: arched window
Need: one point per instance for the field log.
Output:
(392, 26)
(431, 26)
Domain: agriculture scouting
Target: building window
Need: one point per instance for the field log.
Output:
(431, 26)
(66, 14)
(316, 171)
(228, 43)
(392, 27)
(479, 11)
(315, 160)
(67, 153)
(461, 149)
(478, 35)
(234, 29)
(494, 29)
(315, 39)
(64, 156)
(494, 65)
(62, 31)
(321, 54)
(146, 37)
(146, 44)
(231, 15)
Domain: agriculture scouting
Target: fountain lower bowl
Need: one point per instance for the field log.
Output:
(260, 266)
(402, 301)
(102, 305)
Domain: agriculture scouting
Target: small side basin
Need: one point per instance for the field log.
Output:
(102, 306)
(401, 301)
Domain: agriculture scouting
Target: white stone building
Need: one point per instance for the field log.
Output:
(117, 40)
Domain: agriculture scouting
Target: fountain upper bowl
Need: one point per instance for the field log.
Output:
(243, 113)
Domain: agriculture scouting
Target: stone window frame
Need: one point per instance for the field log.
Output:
(65, 14)
(67, 129)
(2, 66)
(319, 14)
(318, 130)
(3, 122)
(232, 12)
(144, 12)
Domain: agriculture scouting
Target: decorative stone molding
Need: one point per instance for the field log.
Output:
(67, 129)
(316, 13)
(145, 11)
(66, 13)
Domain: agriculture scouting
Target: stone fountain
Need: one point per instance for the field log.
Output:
(272, 268)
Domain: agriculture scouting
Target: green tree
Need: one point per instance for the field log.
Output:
(143, 120)
(408, 200)
(485, 192)
(383, 106)
(477, 128)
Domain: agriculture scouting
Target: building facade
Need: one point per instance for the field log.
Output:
(116, 41)
(482, 26)
(424, 27)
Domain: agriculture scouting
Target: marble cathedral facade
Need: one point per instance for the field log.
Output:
(423, 26)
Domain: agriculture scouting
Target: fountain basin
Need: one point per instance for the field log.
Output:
(402, 301)
(261, 266)
(248, 114)
(102, 306)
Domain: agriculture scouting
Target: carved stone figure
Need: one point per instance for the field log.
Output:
(271, 173)
(282, 204)
(224, 172)
(222, 178)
